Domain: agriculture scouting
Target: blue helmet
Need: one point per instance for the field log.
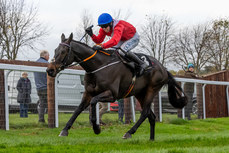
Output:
(104, 18)
(190, 65)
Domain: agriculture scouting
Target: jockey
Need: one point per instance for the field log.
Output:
(124, 36)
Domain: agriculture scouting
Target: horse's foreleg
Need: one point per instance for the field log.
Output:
(103, 97)
(83, 105)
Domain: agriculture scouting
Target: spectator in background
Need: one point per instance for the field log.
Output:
(120, 110)
(41, 86)
(103, 107)
(24, 91)
(189, 90)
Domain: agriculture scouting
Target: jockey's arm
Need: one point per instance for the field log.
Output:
(101, 36)
(116, 37)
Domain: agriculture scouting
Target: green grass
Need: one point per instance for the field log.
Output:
(172, 136)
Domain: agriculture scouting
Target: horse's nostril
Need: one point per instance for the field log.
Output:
(50, 71)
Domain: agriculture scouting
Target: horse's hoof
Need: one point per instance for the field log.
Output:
(63, 133)
(127, 136)
(96, 129)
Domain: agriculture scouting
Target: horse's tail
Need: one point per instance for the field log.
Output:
(175, 93)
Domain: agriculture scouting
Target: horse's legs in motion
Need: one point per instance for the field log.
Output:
(96, 127)
(144, 115)
(103, 97)
(83, 105)
(152, 119)
(146, 112)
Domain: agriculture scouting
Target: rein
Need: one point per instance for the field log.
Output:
(66, 58)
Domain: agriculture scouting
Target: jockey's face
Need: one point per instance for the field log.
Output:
(107, 29)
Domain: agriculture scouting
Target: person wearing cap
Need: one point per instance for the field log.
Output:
(189, 90)
(123, 36)
(190, 68)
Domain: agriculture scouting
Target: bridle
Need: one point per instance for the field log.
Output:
(64, 65)
(67, 57)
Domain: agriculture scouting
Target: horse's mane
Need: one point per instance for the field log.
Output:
(81, 43)
(109, 51)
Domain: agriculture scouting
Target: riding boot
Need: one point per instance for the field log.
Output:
(142, 64)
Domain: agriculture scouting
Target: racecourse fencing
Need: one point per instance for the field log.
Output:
(10, 72)
(204, 83)
(69, 89)
(216, 102)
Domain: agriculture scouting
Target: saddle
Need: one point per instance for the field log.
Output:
(134, 67)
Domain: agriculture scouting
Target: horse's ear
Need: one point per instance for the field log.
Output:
(70, 38)
(62, 37)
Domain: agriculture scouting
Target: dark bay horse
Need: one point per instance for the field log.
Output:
(108, 79)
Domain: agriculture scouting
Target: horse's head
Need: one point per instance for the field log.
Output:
(62, 57)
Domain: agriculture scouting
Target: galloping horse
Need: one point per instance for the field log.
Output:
(108, 79)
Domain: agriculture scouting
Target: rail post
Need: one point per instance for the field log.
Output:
(2, 101)
(51, 101)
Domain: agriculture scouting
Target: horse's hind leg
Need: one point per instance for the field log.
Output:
(152, 118)
(146, 112)
(96, 127)
(144, 115)
(83, 105)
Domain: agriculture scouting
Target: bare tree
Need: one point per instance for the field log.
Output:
(19, 28)
(120, 15)
(218, 44)
(189, 46)
(156, 37)
(86, 21)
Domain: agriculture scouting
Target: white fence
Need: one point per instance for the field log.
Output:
(204, 83)
(62, 82)
(80, 73)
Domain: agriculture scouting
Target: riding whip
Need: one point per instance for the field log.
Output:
(86, 33)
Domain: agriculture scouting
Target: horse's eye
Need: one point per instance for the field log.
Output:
(53, 60)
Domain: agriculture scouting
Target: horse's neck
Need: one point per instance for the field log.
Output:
(92, 60)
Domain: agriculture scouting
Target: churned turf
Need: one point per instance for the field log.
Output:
(172, 136)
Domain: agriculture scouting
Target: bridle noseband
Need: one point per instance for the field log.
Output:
(66, 58)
